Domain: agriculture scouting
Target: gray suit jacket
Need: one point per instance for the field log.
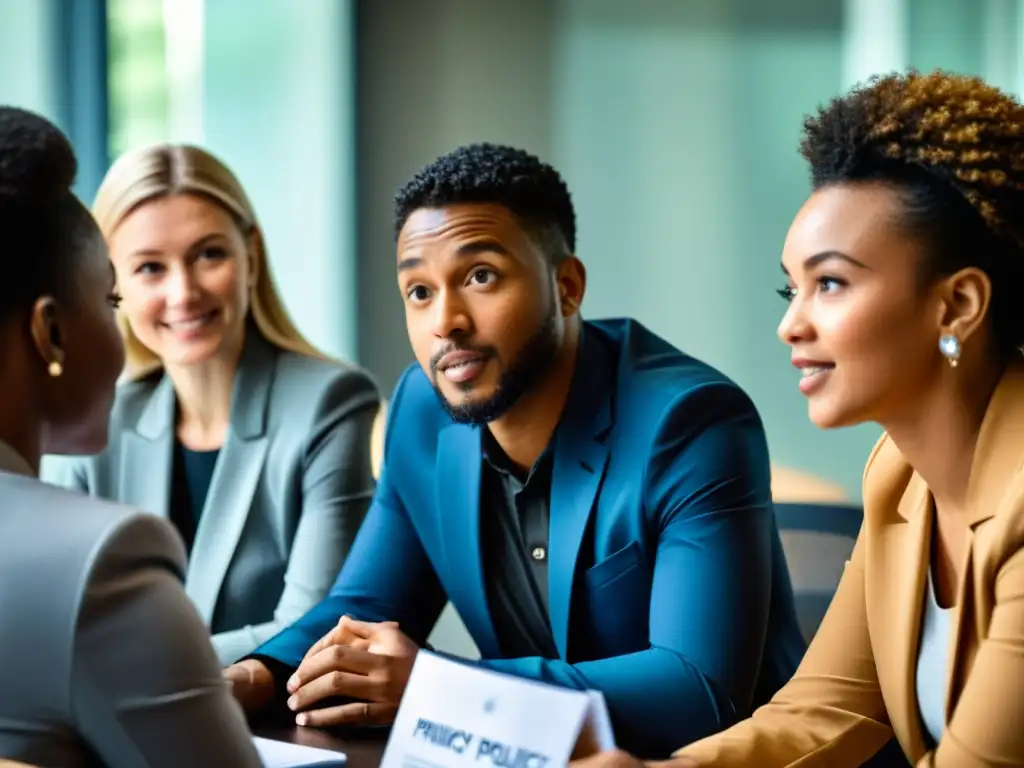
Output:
(103, 659)
(290, 489)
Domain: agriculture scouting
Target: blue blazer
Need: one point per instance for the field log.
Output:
(668, 587)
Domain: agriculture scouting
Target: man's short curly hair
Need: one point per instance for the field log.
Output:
(954, 146)
(490, 173)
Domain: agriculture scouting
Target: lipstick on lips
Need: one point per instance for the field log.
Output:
(814, 373)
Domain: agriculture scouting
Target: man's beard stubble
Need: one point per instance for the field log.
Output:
(531, 364)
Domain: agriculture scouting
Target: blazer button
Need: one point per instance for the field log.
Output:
(539, 553)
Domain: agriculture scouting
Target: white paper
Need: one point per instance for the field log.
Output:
(601, 721)
(455, 715)
(283, 754)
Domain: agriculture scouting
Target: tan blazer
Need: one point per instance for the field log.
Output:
(856, 685)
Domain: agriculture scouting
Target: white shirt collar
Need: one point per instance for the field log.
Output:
(12, 461)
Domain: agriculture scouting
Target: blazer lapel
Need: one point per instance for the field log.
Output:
(235, 477)
(581, 456)
(910, 557)
(999, 452)
(962, 613)
(459, 460)
(998, 456)
(147, 454)
(228, 501)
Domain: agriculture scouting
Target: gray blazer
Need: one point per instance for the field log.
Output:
(290, 489)
(103, 659)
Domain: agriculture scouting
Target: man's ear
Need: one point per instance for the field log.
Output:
(571, 277)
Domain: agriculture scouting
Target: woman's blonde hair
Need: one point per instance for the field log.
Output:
(162, 170)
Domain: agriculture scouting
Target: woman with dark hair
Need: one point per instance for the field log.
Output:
(103, 659)
(903, 275)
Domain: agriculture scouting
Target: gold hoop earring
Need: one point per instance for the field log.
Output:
(55, 369)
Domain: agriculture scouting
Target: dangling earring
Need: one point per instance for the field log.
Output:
(55, 369)
(949, 346)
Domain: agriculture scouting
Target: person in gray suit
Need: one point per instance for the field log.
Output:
(252, 442)
(103, 658)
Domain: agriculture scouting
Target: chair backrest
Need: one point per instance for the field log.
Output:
(818, 540)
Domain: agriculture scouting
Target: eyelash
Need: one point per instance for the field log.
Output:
(483, 271)
(474, 273)
(213, 252)
(788, 293)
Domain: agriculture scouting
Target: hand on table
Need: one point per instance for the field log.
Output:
(252, 685)
(357, 659)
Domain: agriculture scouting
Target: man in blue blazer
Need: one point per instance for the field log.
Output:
(595, 503)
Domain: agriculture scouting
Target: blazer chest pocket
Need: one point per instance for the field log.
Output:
(613, 566)
(618, 601)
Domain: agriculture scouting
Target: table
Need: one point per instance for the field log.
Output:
(364, 747)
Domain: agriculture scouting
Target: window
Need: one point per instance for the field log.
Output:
(155, 72)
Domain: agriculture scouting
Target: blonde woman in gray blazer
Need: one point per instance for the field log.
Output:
(253, 443)
(103, 658)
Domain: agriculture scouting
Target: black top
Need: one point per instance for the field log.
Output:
(514, 517)
(190, 482)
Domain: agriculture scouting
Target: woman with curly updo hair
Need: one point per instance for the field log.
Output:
(904, 271)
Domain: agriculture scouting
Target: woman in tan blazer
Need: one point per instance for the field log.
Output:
(903, 271)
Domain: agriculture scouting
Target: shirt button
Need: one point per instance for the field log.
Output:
(539, 553)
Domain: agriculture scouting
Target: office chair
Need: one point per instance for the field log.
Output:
(818, 540)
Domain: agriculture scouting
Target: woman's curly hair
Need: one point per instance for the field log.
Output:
(954, 146)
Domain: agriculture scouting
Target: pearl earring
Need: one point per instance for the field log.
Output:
(55, 369)
(949, 346)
